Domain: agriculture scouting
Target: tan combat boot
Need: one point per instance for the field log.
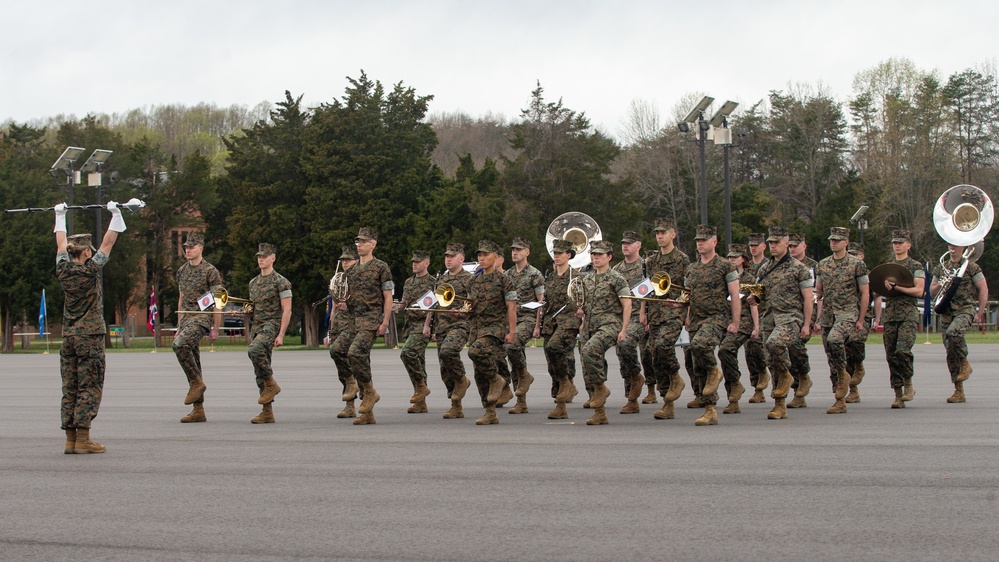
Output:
(635, 388)
(348, 410)
(83, 443)
(696, 402)
(763, 381)
(631, 407)
(70, 441)
(804, 385)
(782, 385)
(196, 391)
(839, 407)
(365, 419)
(757, 397)
(600, 395)
(650, 398)
(735, 391)
(676, 386)
(709, 417)
(599, 415)
(732, 408)
(497, 388)
(797, 402)
(780, 410)
(520, 407)
(271, 389)
(589, 401)
(714, 379)
(370, 398)
(456, 411)
(565, 389)
(559, 413)
(349, 389)
(418, 408)
(965, 371)
(524, 381)
(667, 412)
(575, 391)
(489, 418)
(422, 391)
(196, 415)
(956, 398)
(908, 393)
(266, 415)
(842, 386)
(505, 396)
(854, 395)
(899, 402)
(459, 389)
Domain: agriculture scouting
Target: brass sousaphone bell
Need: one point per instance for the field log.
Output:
(580, 230)
(962, 216)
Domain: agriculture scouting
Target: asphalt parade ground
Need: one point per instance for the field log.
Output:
(921, 483)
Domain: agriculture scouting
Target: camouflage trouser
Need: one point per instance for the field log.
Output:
(953, 328)
(515, 352)
(628, 354)
(700, 356)
(834, 340)
(338, 351)
(486, 352)
(414, 357)
(756, 359)
(359, 354)
(260, 348)
(798, 355)
(778, 341)
(728, 352)
(81, 361)
(560, 354)
(186, 346)
(595, 350)
(856, 348)
(899, 337)
(662, 344)
(449, 355)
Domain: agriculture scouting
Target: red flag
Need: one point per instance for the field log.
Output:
(153, 310)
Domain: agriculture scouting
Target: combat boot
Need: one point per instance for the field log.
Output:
(965, 371)
(271, 389)
(196, 391)
(712, 381)
(804, 386)
(489, 418)
(650, 398)
(83, 443)
(589, 401)
(370, 398)
(347, 411)
(696, 402)
(899, 401)
(505, 395)
(459, 388)
(600, 395)
(520, 407)
(573, 389)
(599, 415)
(763, 381)
(757, 397)
(418, 408)
(838, 408)
(858, 374)
(797, 402)
(70, 441)
(422, 391)
(854, 396)
(349, 389)
(631, 407)
(666, 412)
(365, 419)
(735, 392)
(908, 393)
(956, 398)
(732, 408)
(265, 416)
(782, 384)
(780, 411)
(559, 413)
(524, 383)
(635, 388)
(496, 389)
(842, 386)
(565, 389)
(676, 386)
(709, 417)
(196, 415)
(455, 412)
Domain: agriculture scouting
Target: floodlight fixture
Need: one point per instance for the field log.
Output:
(722, 114)
(859, 214)
(69, 156)
(100, 156)
(698, 110)
(684, 127)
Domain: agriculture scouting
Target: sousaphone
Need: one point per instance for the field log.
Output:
(962, 216)
(578, 228)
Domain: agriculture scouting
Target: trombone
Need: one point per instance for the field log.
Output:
(660, 286)
(222, 298)
(446, 296)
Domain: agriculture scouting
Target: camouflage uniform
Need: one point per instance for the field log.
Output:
(856, 345)
(266, 292)
(756, 352)
(366, 306)
(81, 357)
(900, 320)
(782, 313)
(728, 349)
(958, 320)
(798, 352)
(414, 351)
(559, 328)
(530, 286)
(665, 323)
(341, 331)
(841, 281)
(635, 344)
(709, 316)
(603, 310)
(194, 281)
(451, 332)
(490, 293)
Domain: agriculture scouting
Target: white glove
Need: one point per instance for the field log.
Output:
(117, 221)
(60, 218)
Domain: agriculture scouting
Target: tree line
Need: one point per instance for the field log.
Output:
(306, 178)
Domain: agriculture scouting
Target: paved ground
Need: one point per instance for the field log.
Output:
(874, 484)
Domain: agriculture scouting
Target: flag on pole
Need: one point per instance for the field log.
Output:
(926, 300)
(153, 310)
(42, 315)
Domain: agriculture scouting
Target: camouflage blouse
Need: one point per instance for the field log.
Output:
(633, 273)
(266, 292)
(366, 303)
(783, 281)
(414, 288)
(530, 287)
(602, 304)
(194, 281)
(841, 281)
(965, 300)
(491, 292)
(903, 308)
(444, 322)
(708, 284)
(675, 264)
(83, 309)
(557, 302)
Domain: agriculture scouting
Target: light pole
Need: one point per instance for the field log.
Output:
(696, 116)
(722, 135)
(64, 166)
(859, 220)
(92, 167)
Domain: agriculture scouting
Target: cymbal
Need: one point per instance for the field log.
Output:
(893, 272)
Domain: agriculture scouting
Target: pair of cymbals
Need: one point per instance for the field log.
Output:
(893, 273)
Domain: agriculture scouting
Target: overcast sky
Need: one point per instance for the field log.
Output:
(76, 57)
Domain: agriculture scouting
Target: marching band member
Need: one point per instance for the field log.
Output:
(341, 333)
(798, 352)
(966, 307)
(530, 286)
(756, 352)
(856, 344)
(749, 328)
(270, 294)
(559, 328)
(451, 331)
(630, 351)
(414, 350)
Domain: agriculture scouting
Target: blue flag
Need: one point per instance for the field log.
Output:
(42, 313)
(927, 310)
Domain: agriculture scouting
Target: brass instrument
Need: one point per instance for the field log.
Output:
(339, 291)
(963, 215)
(660, 286)
(578, 228)
(222, 298)
(446, 296)
(575, 290)
(755, 290)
